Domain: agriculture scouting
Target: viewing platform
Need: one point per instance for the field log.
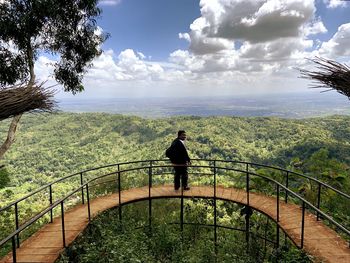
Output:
(301, 221)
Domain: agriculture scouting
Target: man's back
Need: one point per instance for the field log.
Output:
(180, 152)
(179, 155)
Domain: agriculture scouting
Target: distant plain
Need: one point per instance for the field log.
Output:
(294, 105)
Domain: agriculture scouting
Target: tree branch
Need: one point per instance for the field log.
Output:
(10, 135)
(30, 59)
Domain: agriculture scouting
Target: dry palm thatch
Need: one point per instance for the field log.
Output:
(22, 98)
(331, 75)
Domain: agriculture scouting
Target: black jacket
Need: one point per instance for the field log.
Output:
(181, 155)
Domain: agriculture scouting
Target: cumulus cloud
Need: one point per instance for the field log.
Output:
(202, 44)
(254, 20)
(339, 44)
(231, 38)
(234, 44)
(277, 50)
(314, 27)
(335, 3)
(130, 65)
(249, 35)
(110, 2)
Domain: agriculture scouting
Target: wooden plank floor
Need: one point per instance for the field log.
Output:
(320, 241)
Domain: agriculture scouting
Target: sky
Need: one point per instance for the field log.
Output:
(181, 48)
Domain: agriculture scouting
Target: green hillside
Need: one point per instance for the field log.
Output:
(50, 146)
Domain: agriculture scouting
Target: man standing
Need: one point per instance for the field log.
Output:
(179, 157)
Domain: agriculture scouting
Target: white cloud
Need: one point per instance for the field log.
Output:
(339, 44)
(315, 27)
(255, 20)
(200, 43)
(110, 2)
(131, 66)
(44, 70)
(249, 35)
(335, 3)
(191, 62)
(141, 55)
(235, 46)
(234, 41)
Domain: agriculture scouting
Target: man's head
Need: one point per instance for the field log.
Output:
(181, 134)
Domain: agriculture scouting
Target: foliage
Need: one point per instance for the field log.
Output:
(131, 240)
(4, 177)
(51, 146)
(65, 28)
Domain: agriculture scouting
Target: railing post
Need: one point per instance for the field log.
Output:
(278, 203)
(287, 185)
(14, 256)
(182, 208)
(17, 223)
(247, 224)
(214, 163)
(149, 196)
(119, 194)
(82, 188)
(51, 213)
(88, 201)
(318, 200)
(215, 211)
(63, 229)
(302, 226)
(247, 182)
(278, 236)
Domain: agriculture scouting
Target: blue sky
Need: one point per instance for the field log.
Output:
(149, 26)
(167, 48)
(152, 26)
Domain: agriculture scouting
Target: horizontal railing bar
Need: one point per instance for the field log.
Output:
(165, 160)
(31, 221)
(41, 214)
(251, 173)
(221, 226)
(211, 225)
(67, 177)
(265, 177)
(37, 191)
(284, 170)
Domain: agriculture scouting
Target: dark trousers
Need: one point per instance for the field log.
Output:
(180, 173)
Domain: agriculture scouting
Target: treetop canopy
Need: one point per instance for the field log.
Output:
(66, 28)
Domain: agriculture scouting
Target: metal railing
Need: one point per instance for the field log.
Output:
(215, 166)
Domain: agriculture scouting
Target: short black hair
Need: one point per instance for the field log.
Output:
(180, 132)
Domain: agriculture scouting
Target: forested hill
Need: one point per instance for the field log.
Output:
(51, 146)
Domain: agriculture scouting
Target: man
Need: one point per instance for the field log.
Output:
(180, 159)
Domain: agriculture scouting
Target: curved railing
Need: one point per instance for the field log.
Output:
(214, 168)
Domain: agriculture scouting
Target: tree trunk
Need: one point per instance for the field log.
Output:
(10, 135)
(30, 58)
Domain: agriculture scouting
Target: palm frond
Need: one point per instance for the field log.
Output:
(330, 75)
(22, 98)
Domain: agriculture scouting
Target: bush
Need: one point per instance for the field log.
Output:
(4, 177)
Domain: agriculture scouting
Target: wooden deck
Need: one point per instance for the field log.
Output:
(319, 240)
